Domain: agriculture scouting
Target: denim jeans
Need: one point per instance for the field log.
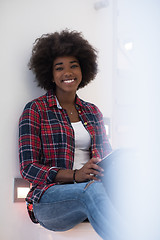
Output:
(64, 206)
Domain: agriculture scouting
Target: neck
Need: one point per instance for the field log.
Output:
(66, 98)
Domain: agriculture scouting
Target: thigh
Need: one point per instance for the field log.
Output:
(60, 208)
(63, 192)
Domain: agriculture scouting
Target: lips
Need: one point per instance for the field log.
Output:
(68, 80)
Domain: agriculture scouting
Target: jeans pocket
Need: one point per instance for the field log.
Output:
(88, 184)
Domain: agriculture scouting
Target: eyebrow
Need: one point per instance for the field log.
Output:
(61, 63)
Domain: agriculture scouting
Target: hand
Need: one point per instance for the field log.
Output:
(89, 171)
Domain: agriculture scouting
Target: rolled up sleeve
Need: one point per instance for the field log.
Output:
(30, 150)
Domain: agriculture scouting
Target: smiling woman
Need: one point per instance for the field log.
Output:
(67, 75)
(66, 43)
(62, 138)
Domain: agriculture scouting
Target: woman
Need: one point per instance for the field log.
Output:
(62, 138)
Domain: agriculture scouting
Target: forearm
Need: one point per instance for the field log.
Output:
(88, 172)
(64, 176)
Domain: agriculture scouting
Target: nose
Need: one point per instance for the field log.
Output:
(67, 73)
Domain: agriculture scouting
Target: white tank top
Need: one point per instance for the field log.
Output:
(82, 145)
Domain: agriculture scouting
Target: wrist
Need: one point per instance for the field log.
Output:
(74, 176)
(64, 176)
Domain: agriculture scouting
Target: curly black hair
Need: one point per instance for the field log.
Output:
(65, 43)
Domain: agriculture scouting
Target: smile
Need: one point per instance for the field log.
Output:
(68, 80)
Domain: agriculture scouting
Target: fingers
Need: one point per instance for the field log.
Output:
(97, 168)
(95, 160)
(93, 177)
(90, 171)
(94, 170)
(93, 165)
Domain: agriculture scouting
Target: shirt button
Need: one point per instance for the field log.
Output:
(85, 123)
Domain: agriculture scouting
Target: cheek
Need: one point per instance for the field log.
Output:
(55, 76)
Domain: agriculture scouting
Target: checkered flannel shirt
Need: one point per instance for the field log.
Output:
(46, 140)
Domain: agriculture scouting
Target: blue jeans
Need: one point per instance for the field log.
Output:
(64, 206)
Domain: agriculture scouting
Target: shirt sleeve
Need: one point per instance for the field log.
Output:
(30, 152)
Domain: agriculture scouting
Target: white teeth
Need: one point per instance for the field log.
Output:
(69, 81)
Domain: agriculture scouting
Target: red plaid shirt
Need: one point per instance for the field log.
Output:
(46, 140)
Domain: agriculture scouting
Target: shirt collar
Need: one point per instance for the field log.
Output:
(58, 104)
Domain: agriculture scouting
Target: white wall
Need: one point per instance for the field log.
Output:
(21, 22)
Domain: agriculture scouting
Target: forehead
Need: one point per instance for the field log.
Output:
(65, 59)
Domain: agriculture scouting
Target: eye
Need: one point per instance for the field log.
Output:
(74, 66)
(59, 68)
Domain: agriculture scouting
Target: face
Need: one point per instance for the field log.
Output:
(67, 74)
